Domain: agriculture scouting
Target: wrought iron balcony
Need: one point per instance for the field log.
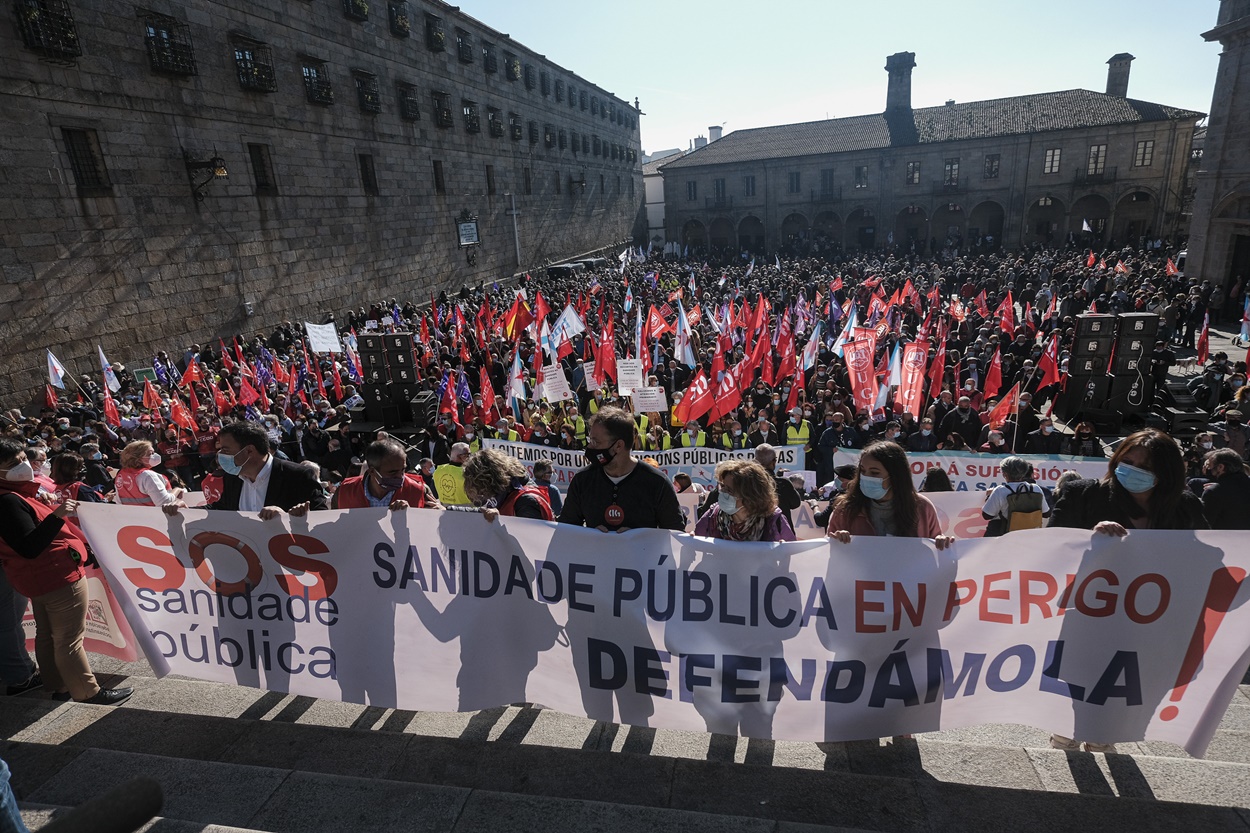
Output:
(719, 202)
(941, 188)
(48, 28)
(827, 195)
(1084, 177)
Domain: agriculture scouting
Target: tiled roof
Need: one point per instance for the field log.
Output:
(653, 167)
(1039, 113)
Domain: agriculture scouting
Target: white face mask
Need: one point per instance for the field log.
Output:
(23, 472)
(154, 460)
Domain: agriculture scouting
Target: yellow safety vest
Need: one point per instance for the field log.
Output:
(666, 442)
(449, 480)
(685, 440)
(642, 422)
(800, 435)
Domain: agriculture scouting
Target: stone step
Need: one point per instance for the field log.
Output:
(701, 796)
(37, 815)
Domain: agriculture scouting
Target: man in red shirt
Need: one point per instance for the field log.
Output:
(385, 482)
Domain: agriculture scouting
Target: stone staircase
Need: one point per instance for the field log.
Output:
(238, 759)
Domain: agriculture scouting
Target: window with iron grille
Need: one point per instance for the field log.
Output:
(793, 181)
(511, 67)
(950, 172)
(356, 9)
(572, 97)
(826, 182)
(367, 92)
(748, 186)
(530, 76)
(527, 180)
(861, 176)
(577, 145)
(549, 135)
(401, 24)
(440, 184)
(992, 163)
(615, 150)
(368, 176)
(262, 169)
(514, 126)
(317, 82)
(533, 131)
(1144, 156)
(585, 143)
(913, 173)
(435, 36)
(47, 28)
(253, 63)
(490, 179)
(602, 188)
(86, 161)
(490, 61)
(559, 91)
(472, 121)
(559, 188)
(409, 101)
(464, 46)
(169, 44)
(1097, 160)
(544, 83)
(582, 99)
(564, 139)
(597, 145)
(494, 121)
(442, 110)
(594, 105)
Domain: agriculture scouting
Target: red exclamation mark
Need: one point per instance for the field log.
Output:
(1225, 582)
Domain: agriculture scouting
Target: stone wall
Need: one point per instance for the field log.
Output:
(141, 265)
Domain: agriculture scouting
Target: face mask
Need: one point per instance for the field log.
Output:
(728, 504)
(154, 460)
(692, 431)
(807, 413)
(872, 487)
(1047, 429)
(776, 401)
(1204, 445)
(924, 432)
(1085, 435)
(600, 456)
(389, 483)
(468, 435)
(737, 432)
(97, 456)
(1134, 479)
(228, 465)
(23, 472)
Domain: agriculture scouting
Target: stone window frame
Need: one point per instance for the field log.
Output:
(318, 88)
(862, 177)
(950, 171)
(253, 63)
(1144, 153)
(368, 91)
(912, 176)
(472, 115)
(48, 29)
(168, 43)
(794, 182)
(260, 161)
(464, 46)
(516, 130)
(490, 58)
(408, 96)
(692, 190)
(442, 109)
(993, 165)
(439, 177)
(494, 122)
(84, 153)
(748, 185)
(368, 173)
(1052, 161)
(398, 21)
(1096, 160)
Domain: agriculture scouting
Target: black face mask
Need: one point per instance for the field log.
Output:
(600, 457)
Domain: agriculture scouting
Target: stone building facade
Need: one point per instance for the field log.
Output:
(353, 135)
(1219, 248)
(1016, 170)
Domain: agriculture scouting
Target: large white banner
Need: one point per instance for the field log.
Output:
(323, 338)
(699, 463)
(1089, 636)
(981, 472)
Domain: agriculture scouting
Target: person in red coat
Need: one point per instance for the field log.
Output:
(385, 483)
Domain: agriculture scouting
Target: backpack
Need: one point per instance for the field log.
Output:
(1024, 511)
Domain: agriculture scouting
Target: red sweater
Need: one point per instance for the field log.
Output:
(351, 493)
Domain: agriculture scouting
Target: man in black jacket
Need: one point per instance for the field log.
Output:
(1224, 501)
(256, 481)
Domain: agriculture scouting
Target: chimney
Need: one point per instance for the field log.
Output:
(699, 142)
(1117, 74)
(713, 133)
(898, 94)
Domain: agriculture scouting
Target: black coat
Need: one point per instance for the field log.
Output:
(1083, 504)
(1225, 502)
(290, 484)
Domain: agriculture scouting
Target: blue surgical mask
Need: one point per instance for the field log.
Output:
(1134, 479)
(728, 503)
(227, 463)
(872, 487)
(97, 456)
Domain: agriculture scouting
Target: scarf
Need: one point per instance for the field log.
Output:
(749, 530)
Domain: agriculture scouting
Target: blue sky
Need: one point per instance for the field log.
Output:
(750, 64)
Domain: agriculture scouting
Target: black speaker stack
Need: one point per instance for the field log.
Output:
(390, 384)
(1109, 374)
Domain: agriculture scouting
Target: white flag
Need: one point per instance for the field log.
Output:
(56, 371)
(1086, 227)
(110, 378)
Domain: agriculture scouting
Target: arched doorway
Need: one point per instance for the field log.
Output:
(861, 229)
(1044, 220)
(751, 235)
(721, 233)
(827, 225)
(1094, 210)
(985, 225)
(911, 229)
(948, 224)
(1134, 218)
(693, 234)
(793, 229)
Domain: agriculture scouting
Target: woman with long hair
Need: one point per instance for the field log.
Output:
(500, 485)
(746, 506)
(1144, 488)
(882, 500)
(66, 471)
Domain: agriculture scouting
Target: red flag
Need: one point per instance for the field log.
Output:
(1102, 263)
(151, 399)
(1028, 320)
(605, 353)
(247, 393)
(193, 402)
(1004, 408)
(49, 397)
(1006, 313)
(1204, 340)
(110, 409)
(541, 308)
(220, 401)
(338, 383)
(656, 325)
(279, 373)
(728, 395)
(785, 349)
(1089, 261)
(911, 389)
(238, 352)
(858, 355)
(517, 319)
(486, 389)
(425, 330)
(983, 306)
(994, 376)
(937, 371)
(697, 400)
(447, 405)
(1121, 268)
(836, 285)
(1049, 363)
(225, 357)
(191, 374)
(179, 415)
(1171, 269)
